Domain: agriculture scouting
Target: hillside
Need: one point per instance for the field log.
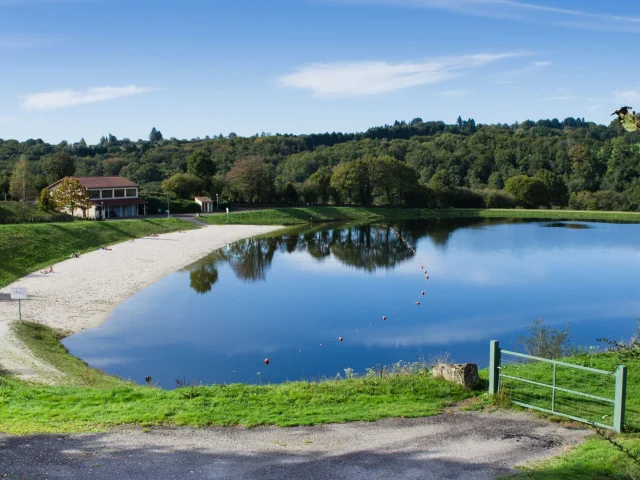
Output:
(575, 160)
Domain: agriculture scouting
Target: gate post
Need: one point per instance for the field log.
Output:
(620, 399)
(494, 363)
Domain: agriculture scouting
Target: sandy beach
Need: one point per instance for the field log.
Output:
(82, 292)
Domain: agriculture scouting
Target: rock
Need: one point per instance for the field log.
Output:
(465, 374)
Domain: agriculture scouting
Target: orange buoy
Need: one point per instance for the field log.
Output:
(267, 361)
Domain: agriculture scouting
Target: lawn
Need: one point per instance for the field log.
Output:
(19, 212)
(596, 458)
(297, 216)
(95, 401)
(24, 248)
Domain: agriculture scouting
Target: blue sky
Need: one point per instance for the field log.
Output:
(191, 68)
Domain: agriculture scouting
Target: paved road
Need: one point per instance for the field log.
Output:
(450, 446)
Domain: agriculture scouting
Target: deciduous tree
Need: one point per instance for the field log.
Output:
(22, 184)
(71, 195)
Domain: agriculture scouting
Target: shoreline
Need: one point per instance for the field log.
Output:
(82, 293)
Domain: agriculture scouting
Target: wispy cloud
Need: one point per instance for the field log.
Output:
(509, 77)
(627, 96)
(68, 98)
(522, 11)
(13, 42)
(372, 78)
(563, 98)
(457, 93)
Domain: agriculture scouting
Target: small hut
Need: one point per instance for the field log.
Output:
(206, 204)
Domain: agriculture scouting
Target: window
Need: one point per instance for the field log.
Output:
(107, 193)
(93, 194)
(131, 192)
(118, 193)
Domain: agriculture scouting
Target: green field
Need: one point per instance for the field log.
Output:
(25, 248)
(94, 401)
(297, 216)
(20, 212)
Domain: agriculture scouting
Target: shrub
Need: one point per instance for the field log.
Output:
(543, 341)
(497, 199)
(530, 192)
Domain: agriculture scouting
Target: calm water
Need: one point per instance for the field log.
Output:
(281, 297)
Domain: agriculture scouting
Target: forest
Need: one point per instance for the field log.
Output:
(544, 164)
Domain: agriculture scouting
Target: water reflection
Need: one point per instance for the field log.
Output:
(281, 295)
(366, 247)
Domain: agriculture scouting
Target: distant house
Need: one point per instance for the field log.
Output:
(112, 197)
(206, 204)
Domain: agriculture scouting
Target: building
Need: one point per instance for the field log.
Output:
(112, 197)
(206, 204)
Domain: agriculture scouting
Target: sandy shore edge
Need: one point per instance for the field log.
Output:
(83, 292)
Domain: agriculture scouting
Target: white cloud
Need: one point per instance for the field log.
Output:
(521, 11)
(372, 78)
(68, 98)
(563, 98)
(457, 93)
(627, 96)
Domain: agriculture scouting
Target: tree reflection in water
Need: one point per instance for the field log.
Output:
(368, 247)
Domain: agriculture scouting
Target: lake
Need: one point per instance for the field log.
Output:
(289, 297)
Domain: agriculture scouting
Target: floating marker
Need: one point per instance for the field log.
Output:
(267, 361)
(384, 317)
(340, 338)
(423, 293)
(417, 303)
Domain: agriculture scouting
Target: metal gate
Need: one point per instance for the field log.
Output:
(580, 393)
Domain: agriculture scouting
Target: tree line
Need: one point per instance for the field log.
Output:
(548, 163)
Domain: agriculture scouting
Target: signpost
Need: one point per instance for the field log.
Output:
(19, 293)
(227, 214)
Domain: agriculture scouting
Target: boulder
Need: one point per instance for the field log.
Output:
(465, 374)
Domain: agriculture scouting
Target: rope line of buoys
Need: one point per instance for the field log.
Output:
(340, 339)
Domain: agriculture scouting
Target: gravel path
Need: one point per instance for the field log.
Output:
(453, 446)
(83, 292)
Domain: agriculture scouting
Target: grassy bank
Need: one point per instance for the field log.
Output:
(297, 216)
(99, 401)
(44, 343)
(95, 401)
(26, 248)
(21, 212)
(596, 458)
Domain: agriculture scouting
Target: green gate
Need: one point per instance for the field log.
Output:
(573, 391)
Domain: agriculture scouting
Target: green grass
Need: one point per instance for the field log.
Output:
(595, 458)
(45, 344)
(27, 408)
(297, 216)
(25, 248)
(18, 212)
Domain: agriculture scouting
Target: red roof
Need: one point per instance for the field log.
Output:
(119, 202)
(102, 182)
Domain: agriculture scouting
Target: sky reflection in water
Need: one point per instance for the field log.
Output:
(218, 319)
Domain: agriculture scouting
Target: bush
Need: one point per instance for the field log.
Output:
(497, 199)
(530, 192)
(601, 200)
(543, 341)
(465, 198)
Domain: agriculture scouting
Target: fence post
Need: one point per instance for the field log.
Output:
(494, 363)
(620, 398)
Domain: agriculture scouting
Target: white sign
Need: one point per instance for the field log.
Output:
(227, 209)
(18, 293)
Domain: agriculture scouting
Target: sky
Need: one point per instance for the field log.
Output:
(72, 69)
